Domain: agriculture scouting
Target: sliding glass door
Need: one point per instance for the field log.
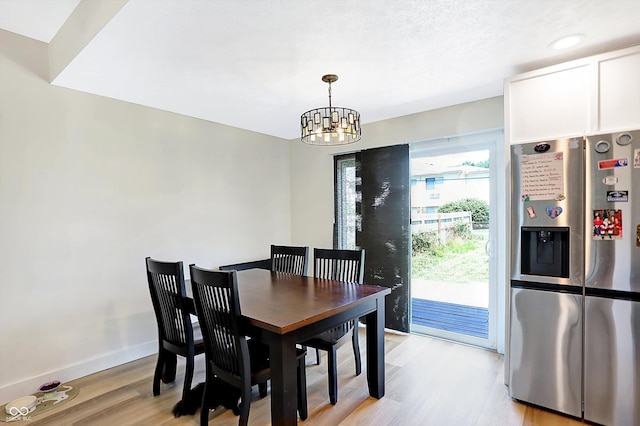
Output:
(452, 288)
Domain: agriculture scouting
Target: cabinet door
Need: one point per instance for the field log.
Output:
(550, 105)
(619, 92)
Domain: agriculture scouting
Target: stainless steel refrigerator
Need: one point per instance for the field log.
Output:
(574, 341)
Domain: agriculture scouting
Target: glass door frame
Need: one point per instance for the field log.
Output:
(493, 142)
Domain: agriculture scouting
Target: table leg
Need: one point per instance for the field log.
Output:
(283, 380)
(375, 350)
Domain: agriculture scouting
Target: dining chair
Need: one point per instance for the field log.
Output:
(289, 259)
(230, 355)
(176, 333)
(346, 266)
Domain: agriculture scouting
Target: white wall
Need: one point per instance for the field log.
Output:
(89, 187)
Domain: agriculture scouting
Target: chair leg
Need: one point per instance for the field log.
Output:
(206, 397)
(356, 349)
(262, 389)
(188, 377)
(302, 390)
(170, 362)
(245, 404)
(157, 375)
(333, 376)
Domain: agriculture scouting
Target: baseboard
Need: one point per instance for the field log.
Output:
(30, 385)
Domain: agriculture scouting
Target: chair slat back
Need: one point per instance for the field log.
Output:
(215, 295)
(290, 259)
(340, 265)
(167, 289)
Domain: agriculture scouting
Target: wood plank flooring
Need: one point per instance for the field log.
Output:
(428, 382)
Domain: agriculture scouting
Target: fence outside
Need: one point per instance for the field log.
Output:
(439, 223)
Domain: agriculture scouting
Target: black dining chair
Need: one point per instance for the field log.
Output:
(290, 259)
(346, 266)
(176, 333)
(230, 356)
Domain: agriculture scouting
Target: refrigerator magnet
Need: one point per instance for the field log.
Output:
(617, 196)
(638, 235)
(636, 158)
(531, 212)
(554, 211)
(607, 224)
(612, 164)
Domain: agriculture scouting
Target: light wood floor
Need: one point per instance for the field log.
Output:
(428, 382)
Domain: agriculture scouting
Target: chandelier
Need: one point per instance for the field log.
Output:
(330, 125)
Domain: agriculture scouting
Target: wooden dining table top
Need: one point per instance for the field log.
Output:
(281, 302)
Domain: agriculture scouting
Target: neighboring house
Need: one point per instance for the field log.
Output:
(433, 185)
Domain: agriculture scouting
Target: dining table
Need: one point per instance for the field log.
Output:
(284, 309)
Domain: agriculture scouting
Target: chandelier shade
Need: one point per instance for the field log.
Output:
(330, 125)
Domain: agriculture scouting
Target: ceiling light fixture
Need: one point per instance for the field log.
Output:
(567, 42)
(330, 125)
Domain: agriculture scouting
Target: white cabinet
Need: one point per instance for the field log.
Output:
(619, 92)
(550, 104)
(599, 94)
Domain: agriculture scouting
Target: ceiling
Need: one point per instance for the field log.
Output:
(257, 64)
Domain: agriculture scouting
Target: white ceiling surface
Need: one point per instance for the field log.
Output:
(37, 19)
(257, 64)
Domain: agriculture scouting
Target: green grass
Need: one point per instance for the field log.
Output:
(458, 261)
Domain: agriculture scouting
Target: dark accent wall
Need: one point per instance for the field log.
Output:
(383, 187)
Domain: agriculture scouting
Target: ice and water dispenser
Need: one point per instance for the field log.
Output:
(544, 251)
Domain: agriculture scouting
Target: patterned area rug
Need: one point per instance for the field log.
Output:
(44, 403)
(469, 320)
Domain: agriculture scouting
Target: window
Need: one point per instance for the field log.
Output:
(345, 203)
(432, 182)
